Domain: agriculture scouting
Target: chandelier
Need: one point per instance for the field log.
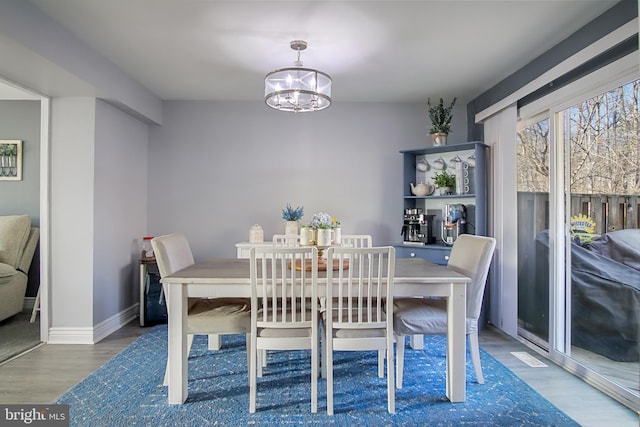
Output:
(297, 89)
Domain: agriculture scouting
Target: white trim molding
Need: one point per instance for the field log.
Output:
(97, 333)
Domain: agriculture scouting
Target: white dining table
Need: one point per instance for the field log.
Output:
(414, 277)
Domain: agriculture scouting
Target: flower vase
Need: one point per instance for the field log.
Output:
(325, 237)
(337, 236)
(307, 236)
(291, 227)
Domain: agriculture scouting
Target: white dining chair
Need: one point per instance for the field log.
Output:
(355, 318)
(284, 309)
(286, 240)
(470, 255)
(205, 316)
(357, 241)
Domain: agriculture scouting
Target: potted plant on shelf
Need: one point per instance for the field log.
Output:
(440, 121)
(292, 216)
(446, 182)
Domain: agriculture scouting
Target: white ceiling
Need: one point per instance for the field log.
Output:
(376, 51)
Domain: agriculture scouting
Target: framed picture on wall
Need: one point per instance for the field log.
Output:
(10, 160)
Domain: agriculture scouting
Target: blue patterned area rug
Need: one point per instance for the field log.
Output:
(128, 391)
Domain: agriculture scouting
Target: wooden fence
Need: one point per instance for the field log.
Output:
(610, 212)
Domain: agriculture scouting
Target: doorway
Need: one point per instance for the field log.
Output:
(34, 181)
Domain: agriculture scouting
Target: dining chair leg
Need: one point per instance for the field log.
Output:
(329, 369)
(253, 365)
(399, 359)
(314, 378)
(323, 356)
(474, 348)
(416, 342)
(381, 355)
(391, 391)
(214, 342)
(247, 337)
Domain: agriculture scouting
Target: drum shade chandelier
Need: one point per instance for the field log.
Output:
(297, 89)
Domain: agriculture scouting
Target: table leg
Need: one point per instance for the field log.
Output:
(178, 375)
(456, 342)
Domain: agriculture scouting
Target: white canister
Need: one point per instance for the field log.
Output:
(147, 249)
(256, 235)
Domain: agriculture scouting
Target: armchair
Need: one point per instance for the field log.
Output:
(18, 241)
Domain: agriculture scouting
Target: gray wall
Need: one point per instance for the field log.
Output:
(98, 214)
(21, 120)
(120, 203)
(215, 168)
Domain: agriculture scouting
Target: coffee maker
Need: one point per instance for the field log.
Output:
(454, 222)
(418, 227)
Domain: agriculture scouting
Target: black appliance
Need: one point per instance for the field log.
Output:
(417, 228)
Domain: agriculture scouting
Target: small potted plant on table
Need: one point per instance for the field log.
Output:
(292, 216)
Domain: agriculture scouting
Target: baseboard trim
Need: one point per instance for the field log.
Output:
(95, 334)
(109, 326)
(70, 336)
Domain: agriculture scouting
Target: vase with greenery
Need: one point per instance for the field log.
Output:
(446, 182)
(337, 231)
(440, 121)
(322, 222)
(292, 216)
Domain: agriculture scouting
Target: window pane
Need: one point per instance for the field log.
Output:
(532, 153)
(604, 265)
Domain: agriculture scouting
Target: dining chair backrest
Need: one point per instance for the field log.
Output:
(362, 280)
(471, 255)
(284, 286)
(359, 309)
(357, 241)
(172, 252)
(286, 240)
(284, 308)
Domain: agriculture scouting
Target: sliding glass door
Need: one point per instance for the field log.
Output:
(602, 240)
(578, 211)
